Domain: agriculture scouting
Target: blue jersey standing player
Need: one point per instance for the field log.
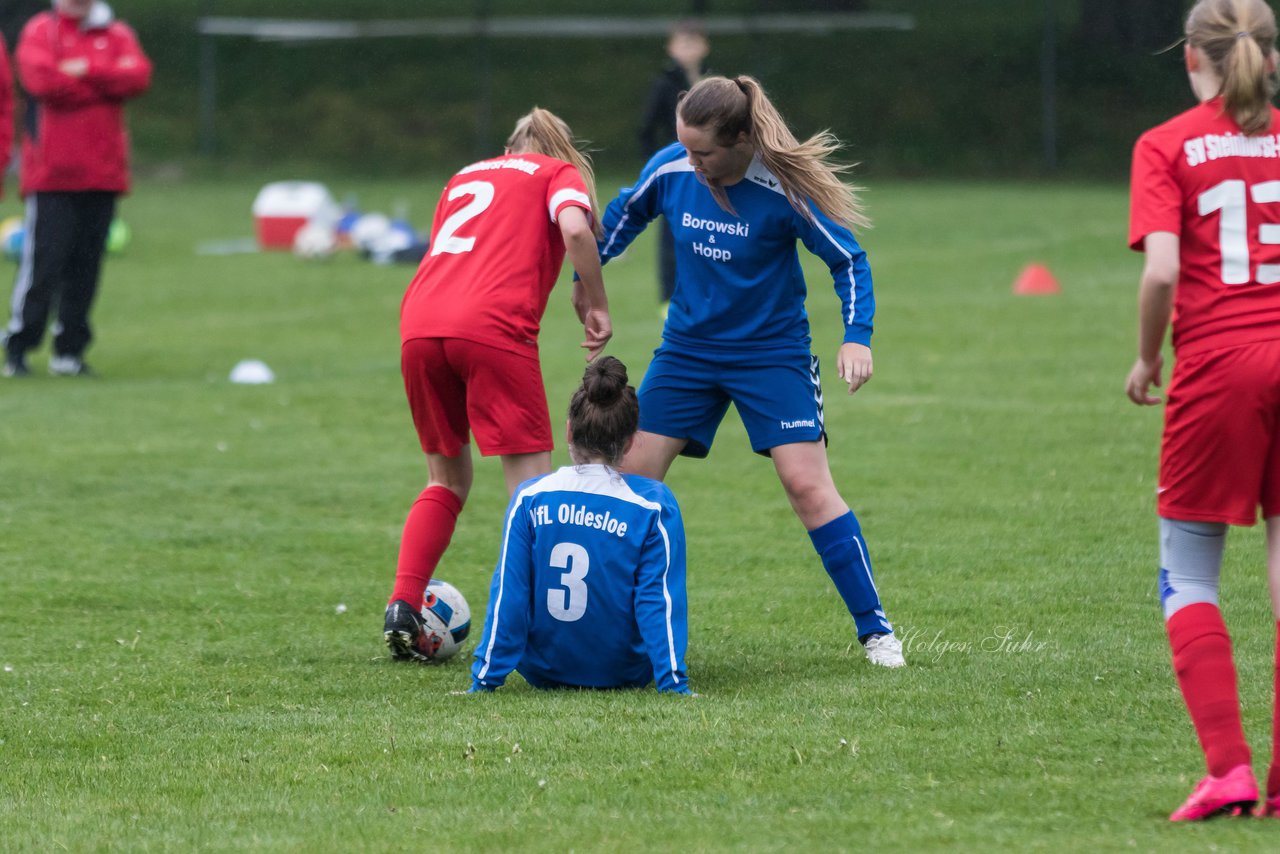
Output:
(589, 588)
(739, 190)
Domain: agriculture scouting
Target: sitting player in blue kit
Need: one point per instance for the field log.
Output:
(589, 590)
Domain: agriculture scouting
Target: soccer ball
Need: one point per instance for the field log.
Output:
(314, 240)
(12, 235)
(446, 620)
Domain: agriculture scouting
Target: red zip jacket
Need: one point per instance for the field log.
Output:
(6, 113)
(74, 136)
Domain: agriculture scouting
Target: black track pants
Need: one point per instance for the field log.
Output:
(66, 234)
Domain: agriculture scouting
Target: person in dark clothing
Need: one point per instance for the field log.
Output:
(14, 15)
(78, 65)
(687, 49)
(6, 114)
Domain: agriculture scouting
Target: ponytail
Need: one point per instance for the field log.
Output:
(543, 132)
(730, 107)
(1238, 37)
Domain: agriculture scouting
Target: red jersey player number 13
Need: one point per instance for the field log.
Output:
(1206, 212)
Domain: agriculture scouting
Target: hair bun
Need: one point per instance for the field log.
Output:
(605, 380)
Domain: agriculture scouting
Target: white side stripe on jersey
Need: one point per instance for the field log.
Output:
(681, 165)
(616, 231)
(568, 194)
(853, 281)
(666, 595)
(502, 578)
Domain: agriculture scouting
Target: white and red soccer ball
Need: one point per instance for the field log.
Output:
(446, 621)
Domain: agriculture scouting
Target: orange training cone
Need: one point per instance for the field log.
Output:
(1036, 279)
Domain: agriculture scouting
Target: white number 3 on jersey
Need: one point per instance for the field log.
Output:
(570, 603)
(447, 240)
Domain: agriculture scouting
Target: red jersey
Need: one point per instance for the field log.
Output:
(1199, 177)
(495, 254)
(74, 136)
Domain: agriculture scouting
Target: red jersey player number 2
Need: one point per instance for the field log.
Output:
(447, 239)
(496, 252)
(469, 325)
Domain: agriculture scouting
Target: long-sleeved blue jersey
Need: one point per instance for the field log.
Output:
(738, 279)
(590, 585)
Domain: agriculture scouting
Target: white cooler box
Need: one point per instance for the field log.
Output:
(284, 207)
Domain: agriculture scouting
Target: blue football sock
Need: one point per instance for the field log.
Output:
(844, 555)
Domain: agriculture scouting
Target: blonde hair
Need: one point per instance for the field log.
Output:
(1238, 37)
(543, 132)
(729, 107)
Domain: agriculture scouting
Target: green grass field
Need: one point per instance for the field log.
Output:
(178, 674)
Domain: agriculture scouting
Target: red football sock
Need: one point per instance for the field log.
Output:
(1207, 676)
(427, 532)
(1273, 776)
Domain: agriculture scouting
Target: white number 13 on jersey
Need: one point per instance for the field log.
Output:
(570, 603)
(447, 240)
(1233, 229)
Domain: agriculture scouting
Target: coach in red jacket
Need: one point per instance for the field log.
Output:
(78, 65)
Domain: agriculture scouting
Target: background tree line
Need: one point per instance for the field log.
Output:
(961, 94)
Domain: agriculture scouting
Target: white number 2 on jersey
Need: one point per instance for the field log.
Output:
(571, 603)
(447, 240)
(1233, 228)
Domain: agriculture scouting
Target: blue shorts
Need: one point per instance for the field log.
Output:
(778, 396)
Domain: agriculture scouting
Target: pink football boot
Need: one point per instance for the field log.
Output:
(1233, 793)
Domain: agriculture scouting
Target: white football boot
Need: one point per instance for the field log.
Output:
(885, 650)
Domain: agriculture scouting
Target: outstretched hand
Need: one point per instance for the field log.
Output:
(599, 329)
(853, 364)
(1142, 376)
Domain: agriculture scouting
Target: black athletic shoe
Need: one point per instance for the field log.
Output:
(15, 366)
(402, 632)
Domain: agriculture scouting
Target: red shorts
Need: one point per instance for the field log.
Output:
(1220, 457)
(455, 386)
